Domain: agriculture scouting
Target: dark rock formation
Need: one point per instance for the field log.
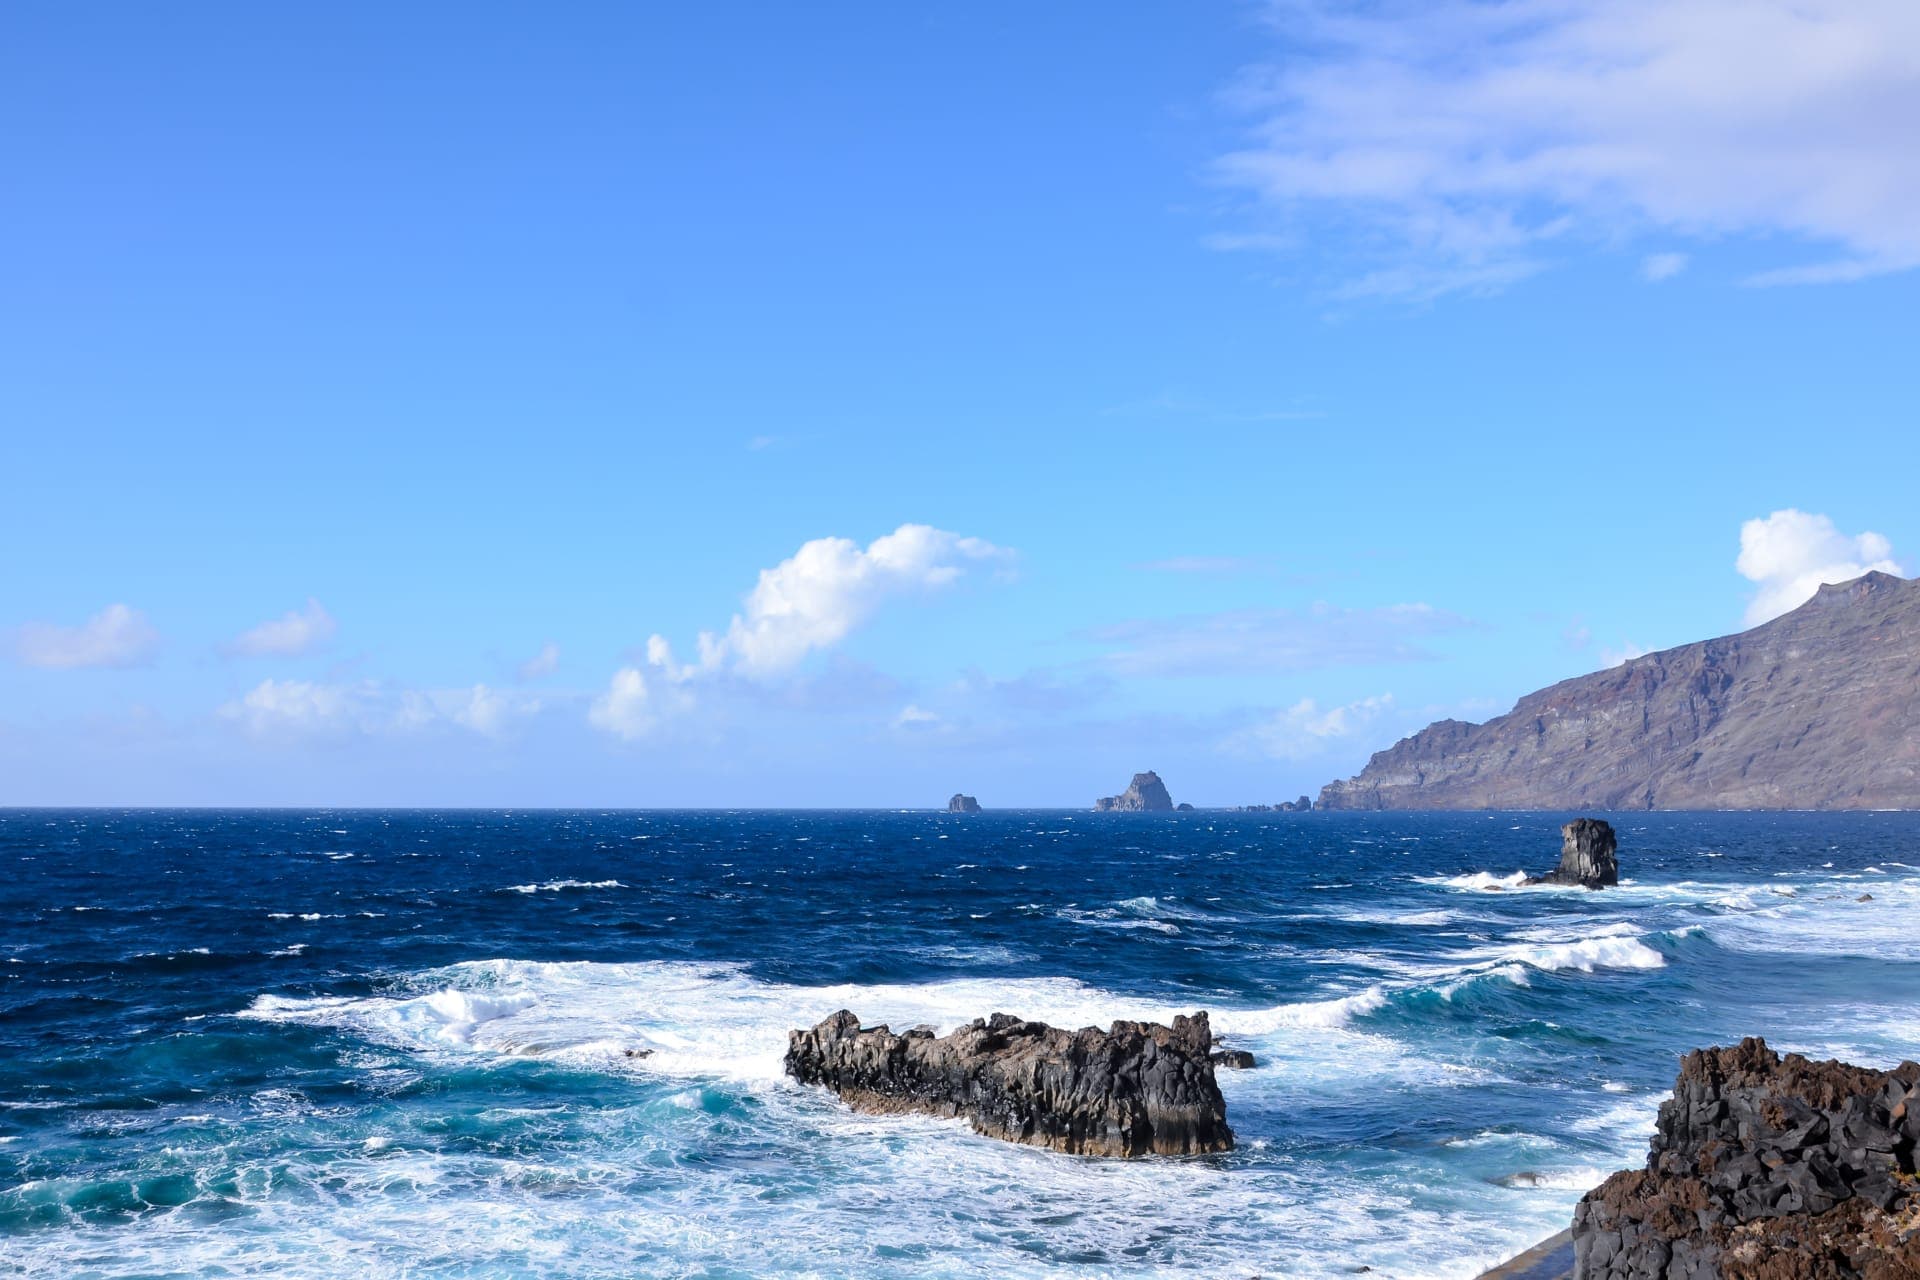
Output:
(1137, 1089)
(1232, 1059)
(1819, 709)
(1146, 792)
(1766, 1168)
(1586, 856)
(1183, 807)
(963, 804)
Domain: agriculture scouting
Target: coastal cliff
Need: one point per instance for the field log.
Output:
(1136, 1089)
(1819, 709)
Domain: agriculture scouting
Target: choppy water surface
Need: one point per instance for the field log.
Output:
(394, 1044)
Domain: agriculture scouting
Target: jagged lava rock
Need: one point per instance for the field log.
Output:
(1818, 709)
(963, 804)
(1766, 1168)
(1146, 793)
(1136, 1089)
(1586, 856)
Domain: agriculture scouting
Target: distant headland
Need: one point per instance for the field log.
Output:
(1818, 709)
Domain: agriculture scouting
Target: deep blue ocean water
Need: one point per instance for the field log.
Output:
(331, 1043)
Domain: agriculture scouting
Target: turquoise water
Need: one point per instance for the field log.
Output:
(394, 1043)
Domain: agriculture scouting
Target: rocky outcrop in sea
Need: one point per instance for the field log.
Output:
(963, 804)
(1587, 856)
(1818, 709)
(1146, 793)
(1766, 1168)
(1136, 1089)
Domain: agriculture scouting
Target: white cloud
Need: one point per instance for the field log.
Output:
(830, 586)
(541, 664)
(1306, 729)
(117, 636)
(626, 710)
(1627, 652)
(305, 708)
(1791, 553)
(1250, 641)
(911, 715)
(289, 635)
(1656, 267)
(1462, 139)
(300, 707)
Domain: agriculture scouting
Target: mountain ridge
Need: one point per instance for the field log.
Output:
(1816, 709)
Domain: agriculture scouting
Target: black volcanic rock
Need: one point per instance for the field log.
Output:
(1146, 793)
(1766, 1168)
(1586, 856)
(963, 804)
(1819, 709)
(1136, 1089)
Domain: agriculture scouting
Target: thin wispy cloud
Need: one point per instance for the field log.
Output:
(1266, 641)
(1204, 566)
(295, 632)
(117, 636)
(1465, 144)
(299, 710)
(540, 665)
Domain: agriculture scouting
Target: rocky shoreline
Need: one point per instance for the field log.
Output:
(1762, 1167)
(1138, 1088)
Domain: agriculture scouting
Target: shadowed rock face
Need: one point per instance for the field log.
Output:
(1819, 709)
(963, 804)
(1586, 856)
(1766, 1168)
(1146, 792)
(1136, 1089)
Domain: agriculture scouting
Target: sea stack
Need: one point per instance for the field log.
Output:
(1762, 1167)
(963, 804)
(1145, 794)
(1136, 1089)
(1586, 856)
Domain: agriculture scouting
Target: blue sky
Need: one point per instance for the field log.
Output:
(1224, 389)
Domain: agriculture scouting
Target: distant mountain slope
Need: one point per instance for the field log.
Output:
(1819, 709)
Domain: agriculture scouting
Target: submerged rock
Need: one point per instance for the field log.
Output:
(1586, 856)
(1232, 1059)
(1136, 1089)
(963, 804)
(1766, 1168)
(1146, 793)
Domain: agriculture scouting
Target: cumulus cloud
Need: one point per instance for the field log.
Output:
(1463, 140)
(1307, 729)
(626, 710)
(541, 664)
(805, 605)
(813, 599)
(117, 636)
(291, 634)
(308, 708)
(1790, 553)
(1255, 641)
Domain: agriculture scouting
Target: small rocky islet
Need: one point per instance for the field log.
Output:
(1135, 1089)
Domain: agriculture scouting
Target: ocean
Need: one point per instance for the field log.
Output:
(396, 1043)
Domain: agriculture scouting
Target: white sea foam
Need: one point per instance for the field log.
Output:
(555, 886)
(1483, 880)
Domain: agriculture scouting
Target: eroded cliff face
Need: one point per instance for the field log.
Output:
(1819, 709)
(1138, 1088)
(1766, 1168)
